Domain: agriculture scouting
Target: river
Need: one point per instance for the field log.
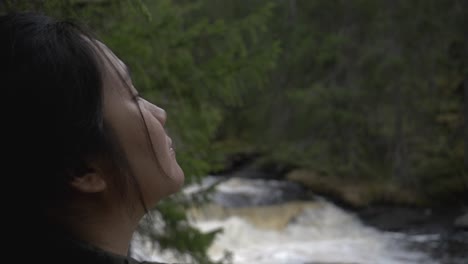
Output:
(269, 221)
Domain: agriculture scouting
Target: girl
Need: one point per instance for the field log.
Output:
(87, 154)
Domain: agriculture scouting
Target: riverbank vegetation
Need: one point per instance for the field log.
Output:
(366, 93)
(362, 99)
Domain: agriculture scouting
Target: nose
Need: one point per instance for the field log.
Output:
(160, 114)
(157, 112)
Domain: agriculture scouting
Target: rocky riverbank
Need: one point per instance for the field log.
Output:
(391, 209)
(385, 207)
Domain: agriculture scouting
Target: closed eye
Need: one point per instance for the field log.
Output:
(136, 97)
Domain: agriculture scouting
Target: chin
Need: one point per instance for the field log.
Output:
(179, 179)
(175, 180)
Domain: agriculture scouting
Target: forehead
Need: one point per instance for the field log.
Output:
(111, 60)
(114, 70)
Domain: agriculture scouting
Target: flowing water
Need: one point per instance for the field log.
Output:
(263, 222)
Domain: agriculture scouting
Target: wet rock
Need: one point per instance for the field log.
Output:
(393, 218)
(274, 217)
(241, 192)
(462, 221)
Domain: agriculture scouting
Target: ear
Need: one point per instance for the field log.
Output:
(91, 181)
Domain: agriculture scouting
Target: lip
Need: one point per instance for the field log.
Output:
(172, 152)
(170, 146)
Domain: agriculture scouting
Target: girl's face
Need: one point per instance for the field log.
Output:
(148, 148)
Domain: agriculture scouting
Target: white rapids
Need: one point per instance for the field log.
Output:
(293, 232)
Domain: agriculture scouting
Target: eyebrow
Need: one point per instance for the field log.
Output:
(135, 94)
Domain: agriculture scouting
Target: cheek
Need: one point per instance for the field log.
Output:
(157, 176)
(159, 142)
(169, 169)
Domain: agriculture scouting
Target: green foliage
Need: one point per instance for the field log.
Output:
(365, 89)
(177, 233)
(195, 65)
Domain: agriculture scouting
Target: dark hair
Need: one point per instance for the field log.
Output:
(51, 77)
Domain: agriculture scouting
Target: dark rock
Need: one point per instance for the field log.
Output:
(462, 221)
(418, 220)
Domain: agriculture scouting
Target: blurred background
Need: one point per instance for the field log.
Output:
(310, 131)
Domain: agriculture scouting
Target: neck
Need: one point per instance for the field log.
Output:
(106, 233)
(110, 229)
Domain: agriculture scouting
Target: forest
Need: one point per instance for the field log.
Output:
(365, 101)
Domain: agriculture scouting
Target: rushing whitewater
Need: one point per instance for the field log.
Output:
(263, 230)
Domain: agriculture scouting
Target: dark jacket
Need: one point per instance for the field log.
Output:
(46, 247)
(78, 252)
